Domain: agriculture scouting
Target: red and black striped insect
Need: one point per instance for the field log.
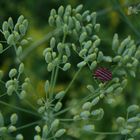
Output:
(103, 74)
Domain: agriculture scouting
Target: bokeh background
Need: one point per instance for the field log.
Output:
(113, 17)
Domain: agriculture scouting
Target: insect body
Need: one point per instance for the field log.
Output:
(103, 74)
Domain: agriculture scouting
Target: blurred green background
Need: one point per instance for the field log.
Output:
(112, 15)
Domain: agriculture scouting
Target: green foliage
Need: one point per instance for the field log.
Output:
(77, 38)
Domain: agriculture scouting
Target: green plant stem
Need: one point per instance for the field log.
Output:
(66, 120)
(51, 83)
(37, 43)
(54, 80)
(57, 69)
(72, 81)
(3, 94)
(28, 125)
(5, 49)
(78, 104)
(20, 109)
(105, 133)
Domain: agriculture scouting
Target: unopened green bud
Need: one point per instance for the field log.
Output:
(109, 90)
(53, 12)
(94, 15)
(100, 56)
(37, 137)
(25, 23)
(81, 64)
(48, 57)
(60, 95)
(95, 101)
(58, 106)
(12, 73)
(61, 11)
(107, 59)
(89, 128)
(117, 58)
(79, 8)
(93, 65)
(67, 49)
(10, 40)
(137, 131)
(66, 66)
(124, 83)
(132, 108)
(87, 106)
(60, 47)
(12, 128)
(6, 34)
(131, 139)
(16, 28)
(41, 109)
(20, 19)
(97, 27)
(90, 88)
(52, 42)
(120, 121)
(65, 29)
(83, 52)
(38, 129)
(99, 113)
(56, 61)
(76, 118)
(24, 42)
(137, 54)
(125, 131)
(10, 90)
(88, 18)
(54, 55)
(133, 120)
(59, 133)
(64, 58)
(25, 85)
(85, 115)
(22, 29)
(19, 51)
(10, 23)
(55, 124)
(83, 36)
(3, 130)
(50, 67)
(40, 101)
(21, 68)
(115, 42)
(88, 44)
(85, 14)
(118, 90)
(91, 57)
(22, 94)
(14, 118)
(19, 137)
(135, 63)
(123, 44)
(16, 36)
(1, 48)
(51, 21)
(5, 26)
(132, 73)
(45, 131)
(58, 22)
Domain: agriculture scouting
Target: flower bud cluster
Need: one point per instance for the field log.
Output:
(130, 124)
(13, 85)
